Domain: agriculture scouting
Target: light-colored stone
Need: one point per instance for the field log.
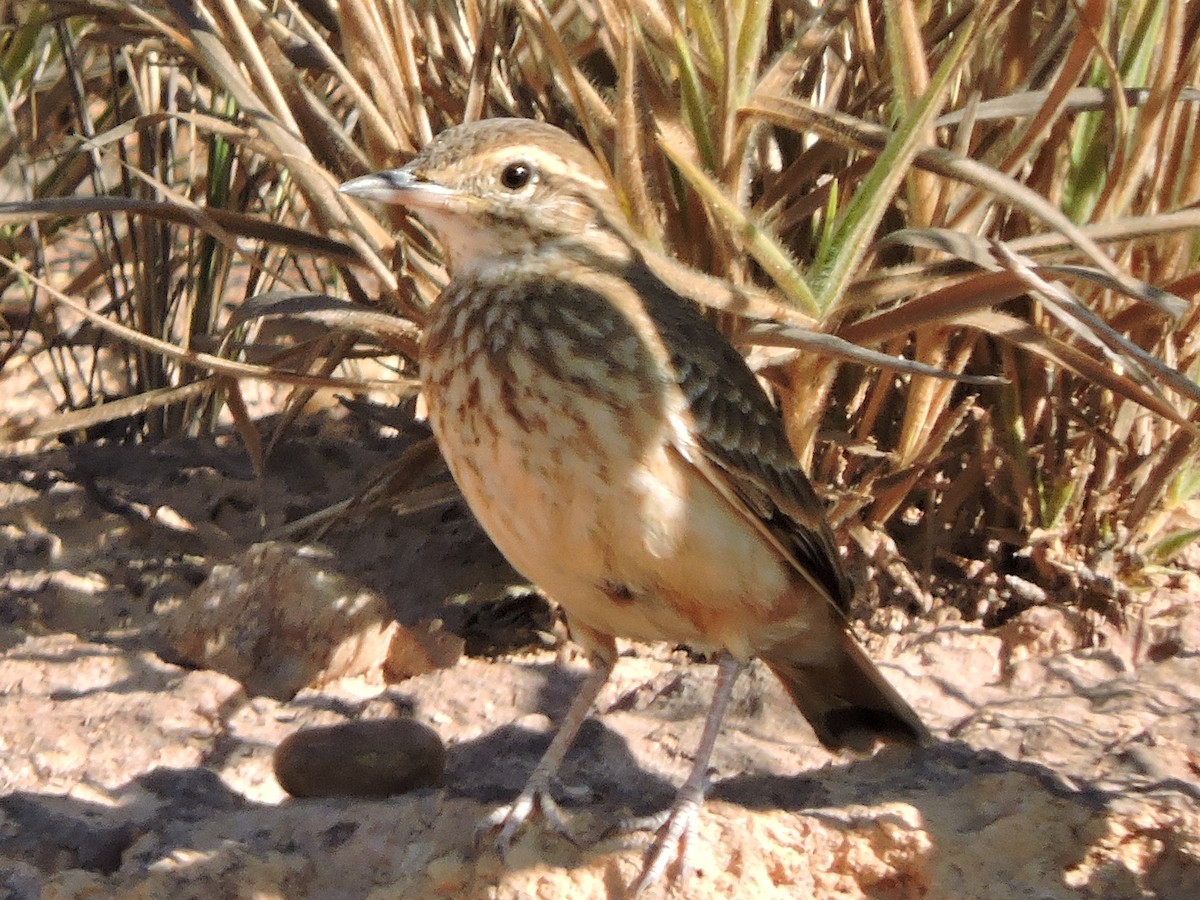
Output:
(279, 619)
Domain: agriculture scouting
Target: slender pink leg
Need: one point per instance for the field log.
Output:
(671, 840)
(536, 795)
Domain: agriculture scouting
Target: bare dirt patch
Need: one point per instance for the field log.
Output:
(1068, 765)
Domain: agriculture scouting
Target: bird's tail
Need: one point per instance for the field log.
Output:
(847, 700)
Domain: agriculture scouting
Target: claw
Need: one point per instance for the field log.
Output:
(670, 841)
(533, 802)
(652, 822)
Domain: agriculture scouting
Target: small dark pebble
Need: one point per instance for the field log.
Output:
(370, 758)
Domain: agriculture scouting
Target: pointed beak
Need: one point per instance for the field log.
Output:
(401, 187)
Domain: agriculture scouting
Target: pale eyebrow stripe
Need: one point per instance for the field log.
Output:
(549, 161)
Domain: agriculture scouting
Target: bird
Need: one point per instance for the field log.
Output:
(619, 451)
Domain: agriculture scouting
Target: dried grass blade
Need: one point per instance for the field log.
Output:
(1077, 100)
(215, 364)
(765, 249)
(107, 411)
(244, 424)
(860, 220)
(1091, 328)
(798, 115)
(332, 312)
(1027, 337)
(772, 334)
(986, 254)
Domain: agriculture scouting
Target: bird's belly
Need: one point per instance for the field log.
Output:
(594, 504)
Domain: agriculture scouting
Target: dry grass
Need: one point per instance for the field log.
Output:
(987, 189)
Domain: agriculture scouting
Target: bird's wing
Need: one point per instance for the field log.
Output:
(743, 450)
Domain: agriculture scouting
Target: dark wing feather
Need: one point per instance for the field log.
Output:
(742, 436)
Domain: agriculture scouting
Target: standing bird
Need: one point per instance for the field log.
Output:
(619, 451)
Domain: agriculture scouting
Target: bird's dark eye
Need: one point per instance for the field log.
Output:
(516, 175)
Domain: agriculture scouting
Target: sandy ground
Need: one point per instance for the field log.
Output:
(1067, 764)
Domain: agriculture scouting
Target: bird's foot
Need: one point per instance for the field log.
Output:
(672, 831)
(533, 802)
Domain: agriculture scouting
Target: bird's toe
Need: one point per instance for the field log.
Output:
(508, 821)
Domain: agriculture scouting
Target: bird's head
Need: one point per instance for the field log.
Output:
(502, 189)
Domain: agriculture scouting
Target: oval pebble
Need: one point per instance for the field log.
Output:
(369, 758)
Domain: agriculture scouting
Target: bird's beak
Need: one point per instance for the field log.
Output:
(401, 187)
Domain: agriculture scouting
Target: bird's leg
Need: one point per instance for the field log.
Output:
(536, 797)
(672, 836)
